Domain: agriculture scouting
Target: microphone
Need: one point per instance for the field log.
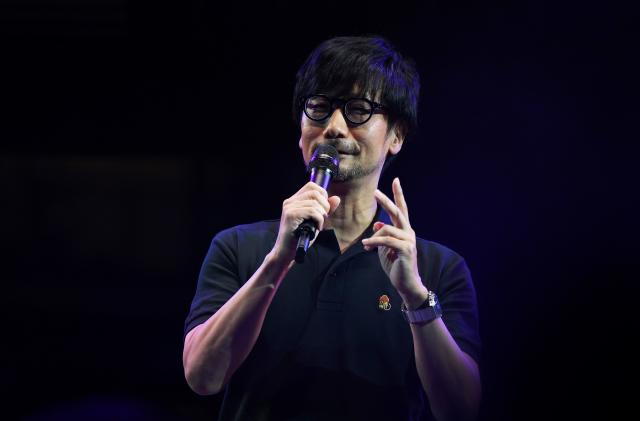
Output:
(323, 166)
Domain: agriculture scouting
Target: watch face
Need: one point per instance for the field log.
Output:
(431, 299)
(435, 304)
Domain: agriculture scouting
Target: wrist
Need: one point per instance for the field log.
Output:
(271, 271)
(425, 313)
(275, 261)
(414, 297)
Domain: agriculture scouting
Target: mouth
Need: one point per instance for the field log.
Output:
(345, 153)
(344, 148)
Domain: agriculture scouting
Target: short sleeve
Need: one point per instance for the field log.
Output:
(457, 297)
(218, 279)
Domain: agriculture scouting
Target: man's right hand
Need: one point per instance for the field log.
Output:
(310, 202)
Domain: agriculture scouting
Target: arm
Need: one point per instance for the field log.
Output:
(215, 349)
(449, 376)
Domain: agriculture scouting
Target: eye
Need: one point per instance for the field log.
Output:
(358, 108)
(317, 107)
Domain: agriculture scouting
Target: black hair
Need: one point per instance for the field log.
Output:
(371, 66)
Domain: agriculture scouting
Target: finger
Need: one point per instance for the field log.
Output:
(307, 204)
(314, 195)
(311, 186)
(334, 202)
(397, 217)
(398, 197)
(391, 231)
(386, 241)
(310, 213)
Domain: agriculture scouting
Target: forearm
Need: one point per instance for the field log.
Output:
(215, 349)
(449, 376)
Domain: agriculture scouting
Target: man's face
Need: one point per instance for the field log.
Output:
(362, 148)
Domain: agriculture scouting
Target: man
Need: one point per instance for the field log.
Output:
(355, 331)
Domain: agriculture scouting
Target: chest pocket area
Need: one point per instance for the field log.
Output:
(378, 345)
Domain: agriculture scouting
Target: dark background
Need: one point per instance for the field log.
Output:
(126, 145)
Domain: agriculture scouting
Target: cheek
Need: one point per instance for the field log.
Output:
(373, 136)
(309, 131)
(380, 129)
(309, 128)
(305, 137)
(303, 145)
(305, 131)
(307, 134)
(376, 127)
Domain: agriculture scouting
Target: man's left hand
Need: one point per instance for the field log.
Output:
(397, 248)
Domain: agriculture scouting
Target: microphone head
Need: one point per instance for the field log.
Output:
(325, 157)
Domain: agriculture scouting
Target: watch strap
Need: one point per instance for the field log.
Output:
(428, 311)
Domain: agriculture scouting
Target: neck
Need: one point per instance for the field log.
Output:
(356, 211)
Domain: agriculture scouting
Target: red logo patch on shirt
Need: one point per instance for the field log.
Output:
(384, 303)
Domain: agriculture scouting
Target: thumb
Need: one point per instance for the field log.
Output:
(334, 202)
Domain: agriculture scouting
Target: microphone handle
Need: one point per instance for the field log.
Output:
(307, 229)
(305, 233)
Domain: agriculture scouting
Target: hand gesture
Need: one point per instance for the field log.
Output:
(397, 245)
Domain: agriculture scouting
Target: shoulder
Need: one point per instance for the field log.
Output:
(244, 245)
(441, 265)
(249, 241)
(256, 232)
(446, 273)
(433, 250)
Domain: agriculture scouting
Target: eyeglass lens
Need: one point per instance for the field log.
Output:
(356, 110)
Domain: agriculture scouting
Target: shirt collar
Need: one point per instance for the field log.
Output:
(328, 237)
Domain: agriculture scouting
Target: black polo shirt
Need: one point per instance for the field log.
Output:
(329, 348)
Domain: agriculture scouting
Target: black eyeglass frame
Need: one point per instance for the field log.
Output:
(342, 104)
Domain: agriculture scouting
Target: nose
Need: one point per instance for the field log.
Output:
(336, 125)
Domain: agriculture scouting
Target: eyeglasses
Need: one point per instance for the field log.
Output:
(356, 110)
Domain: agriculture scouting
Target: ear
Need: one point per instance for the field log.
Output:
(397, 140)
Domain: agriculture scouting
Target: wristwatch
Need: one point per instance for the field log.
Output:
(428, 311)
